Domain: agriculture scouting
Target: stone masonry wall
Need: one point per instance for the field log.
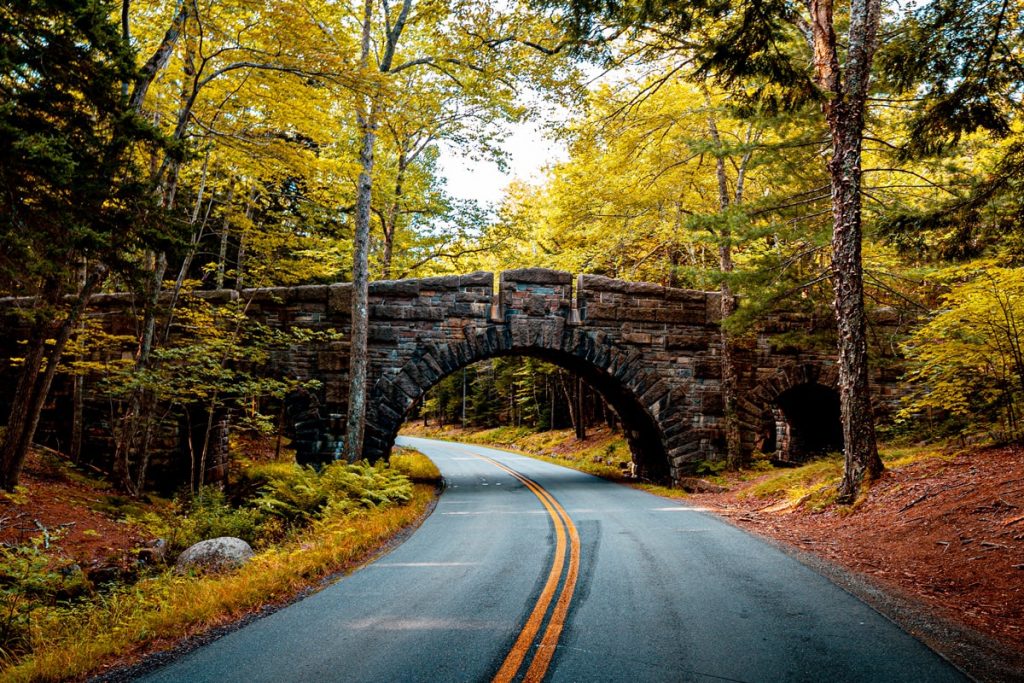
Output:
(654, 352)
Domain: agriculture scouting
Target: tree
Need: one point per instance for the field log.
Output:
(71, 192)
(967, 361)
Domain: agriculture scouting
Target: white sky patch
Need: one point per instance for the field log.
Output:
(529, 150)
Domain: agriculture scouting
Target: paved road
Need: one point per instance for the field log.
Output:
(527, 570)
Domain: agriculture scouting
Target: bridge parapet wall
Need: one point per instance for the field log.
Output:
(535, 292)
(601, 298)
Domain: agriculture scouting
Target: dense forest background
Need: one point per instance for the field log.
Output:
(154, 147)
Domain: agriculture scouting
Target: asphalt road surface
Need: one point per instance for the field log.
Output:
(529, 571)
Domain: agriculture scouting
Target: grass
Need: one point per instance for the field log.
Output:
(660, 490)
(73, 642)
(598, 469)
(415, 465)
(815, 484)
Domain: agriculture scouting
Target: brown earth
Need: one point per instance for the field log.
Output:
(946, 531)
(55, 500)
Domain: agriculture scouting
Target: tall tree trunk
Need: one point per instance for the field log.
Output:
(581, 409)
(367, 120)
(158, 60)
(225, 232)
(391, 219)
(844, 112)
(240, 263)
(735, 456)
(34, 382)
(128, 439)
(860, 449)
(78, 380)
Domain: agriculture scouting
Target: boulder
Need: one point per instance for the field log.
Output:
(214, 555)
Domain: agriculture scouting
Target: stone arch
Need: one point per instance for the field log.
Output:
(654, 417)
(797, 397)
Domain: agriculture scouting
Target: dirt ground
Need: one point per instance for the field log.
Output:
(68, 508)
(947, 531)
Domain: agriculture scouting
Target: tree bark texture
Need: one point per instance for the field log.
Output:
(368, 120)
(844, 111)
(359, 356)
(735, 457)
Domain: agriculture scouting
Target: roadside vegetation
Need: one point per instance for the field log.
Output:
(62, 617)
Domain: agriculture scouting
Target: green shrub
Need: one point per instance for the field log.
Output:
(208, 515)
(415, 465)
(293, 494)
(32, 578)
(710, 468)
(301, 493)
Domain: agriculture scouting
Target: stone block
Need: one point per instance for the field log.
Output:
(637, 338)
(539, 276)
(383, 334)
(395, 289)
(308, 294)
(217, 296)
(339, 299)
(707, 368)
(408, 385)
(712, 403)
(480, 278)
(599, 311)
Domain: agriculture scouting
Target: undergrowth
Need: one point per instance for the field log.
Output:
(814, 485)
(306, 525)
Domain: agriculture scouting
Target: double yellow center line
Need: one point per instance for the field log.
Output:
(564, 530)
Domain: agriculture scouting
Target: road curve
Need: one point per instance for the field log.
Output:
(529, 571)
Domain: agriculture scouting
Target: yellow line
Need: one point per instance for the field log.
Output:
(542, 660)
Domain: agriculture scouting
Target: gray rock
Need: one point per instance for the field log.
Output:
(214, 555)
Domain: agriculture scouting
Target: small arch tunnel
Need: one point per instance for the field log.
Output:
(801, 423)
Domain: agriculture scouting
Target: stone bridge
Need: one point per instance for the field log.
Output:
(653, 352)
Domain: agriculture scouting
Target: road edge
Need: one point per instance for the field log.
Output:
(156, 660)
(978, 656)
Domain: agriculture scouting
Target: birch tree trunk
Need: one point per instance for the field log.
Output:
(367, 119)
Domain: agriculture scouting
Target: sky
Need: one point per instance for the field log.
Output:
(529, 152)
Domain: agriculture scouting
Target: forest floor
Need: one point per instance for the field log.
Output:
(76, 600)
(943, 528)
(76, 512)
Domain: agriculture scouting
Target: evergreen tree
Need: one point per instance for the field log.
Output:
(72, 204)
